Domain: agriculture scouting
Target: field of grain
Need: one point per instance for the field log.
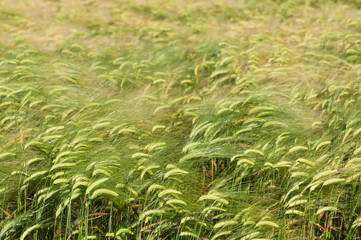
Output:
(180, 119)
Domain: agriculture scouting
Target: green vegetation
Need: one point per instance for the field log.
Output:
(180, 119)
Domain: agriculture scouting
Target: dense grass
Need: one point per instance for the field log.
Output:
(180, 119)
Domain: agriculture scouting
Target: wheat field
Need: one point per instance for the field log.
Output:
(180, 119)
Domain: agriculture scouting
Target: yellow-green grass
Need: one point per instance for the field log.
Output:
(180, 119)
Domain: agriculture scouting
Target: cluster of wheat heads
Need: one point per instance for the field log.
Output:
(180, 120)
